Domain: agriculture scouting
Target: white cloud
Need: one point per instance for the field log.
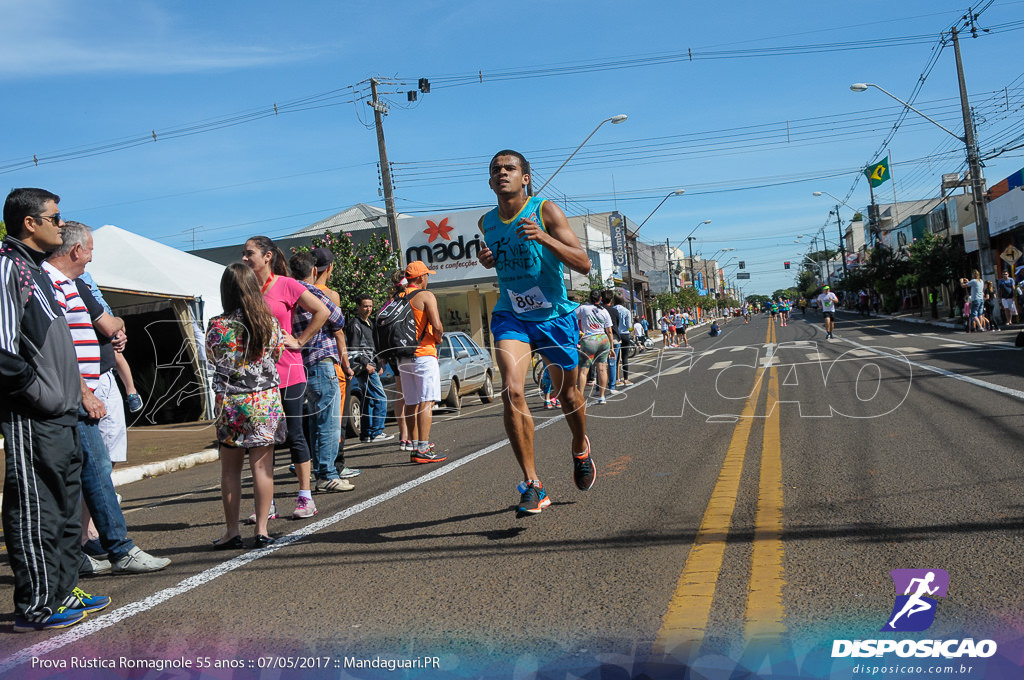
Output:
(64, 37)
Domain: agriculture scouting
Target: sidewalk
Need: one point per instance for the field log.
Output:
(160, 449)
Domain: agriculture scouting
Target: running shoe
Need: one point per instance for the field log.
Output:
(304, 508)
(584, 472)
(82, 601)
(556, 403)
(333, 485)
(62, 618)
(271, 515)
(427, 455)
(348, 473)
(533, 499)
(548, 404)
(405, 445)
(602, 400)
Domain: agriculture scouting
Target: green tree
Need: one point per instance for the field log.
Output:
(935, 262)
(359, 268)
(3, 229)
(806, 283)
(884, 269)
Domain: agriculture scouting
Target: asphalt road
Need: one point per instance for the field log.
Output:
(753, 493)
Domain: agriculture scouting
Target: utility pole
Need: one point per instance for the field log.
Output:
(668, 268)
(379, 111)
(973, 161)
(690, 239)
(842, 240)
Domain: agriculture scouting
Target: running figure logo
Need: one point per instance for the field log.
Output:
(915, 608)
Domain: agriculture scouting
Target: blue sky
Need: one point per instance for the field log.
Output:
(758, 120)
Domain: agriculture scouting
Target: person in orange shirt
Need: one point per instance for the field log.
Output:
(421, 374)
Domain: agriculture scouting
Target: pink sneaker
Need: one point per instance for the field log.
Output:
(304, 508)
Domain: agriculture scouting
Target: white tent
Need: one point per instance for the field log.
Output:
(124, 263)
(137, 276)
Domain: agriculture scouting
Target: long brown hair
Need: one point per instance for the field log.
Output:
(240, 290)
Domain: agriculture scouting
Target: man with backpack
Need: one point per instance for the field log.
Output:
(528, 242)
(409, 328)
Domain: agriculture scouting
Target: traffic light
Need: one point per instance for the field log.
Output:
(787, 264)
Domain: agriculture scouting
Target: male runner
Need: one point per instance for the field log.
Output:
(827, 303)
(528, 240)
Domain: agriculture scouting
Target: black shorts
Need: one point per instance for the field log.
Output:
(829, 315)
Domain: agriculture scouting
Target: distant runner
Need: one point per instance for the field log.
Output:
(827, 303)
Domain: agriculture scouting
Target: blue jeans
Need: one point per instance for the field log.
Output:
(98, 491)
(613, 364)
(375, 405)
(323, 406)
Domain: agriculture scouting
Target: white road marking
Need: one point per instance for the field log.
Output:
(719, 366)
(1017, 394)
(94, 625)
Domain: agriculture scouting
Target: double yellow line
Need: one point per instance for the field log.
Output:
(685, 623)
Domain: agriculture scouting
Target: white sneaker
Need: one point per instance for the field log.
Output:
(333, 485)
(91, 566)
(271, 515)
(305, 507)
(382, 437)
(138, 561)
(348, 473)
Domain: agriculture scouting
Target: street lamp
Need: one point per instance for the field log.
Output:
(614, 120)
(839, 228)
(689, 239)
(973, 160)
(629, 261)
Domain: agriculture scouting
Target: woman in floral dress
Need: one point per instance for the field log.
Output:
(242, 347)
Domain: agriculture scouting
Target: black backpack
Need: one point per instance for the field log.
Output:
(395, 330)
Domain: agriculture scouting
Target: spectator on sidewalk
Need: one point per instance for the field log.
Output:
(421, 374)
(324, 270)
(65, 264)
(624, 331)
(42, 454)
(324, 399)
(362, 353)
(243, 346)
(283, 295)
(1007, 288)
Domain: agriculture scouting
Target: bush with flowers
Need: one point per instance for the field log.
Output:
(359, 267)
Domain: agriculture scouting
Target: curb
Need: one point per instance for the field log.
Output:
(139, 472)
(134, 474)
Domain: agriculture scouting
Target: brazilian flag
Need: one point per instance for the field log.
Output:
(878, 173)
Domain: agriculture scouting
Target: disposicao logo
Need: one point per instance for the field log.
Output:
(914, 611)
(915, 607)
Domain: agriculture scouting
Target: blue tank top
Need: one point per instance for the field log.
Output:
(530, 280)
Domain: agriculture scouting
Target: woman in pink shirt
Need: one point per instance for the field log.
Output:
(283, 295)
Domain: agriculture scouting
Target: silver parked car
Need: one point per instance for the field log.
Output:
(466, 368)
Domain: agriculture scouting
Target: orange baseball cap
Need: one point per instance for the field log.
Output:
(417, 269)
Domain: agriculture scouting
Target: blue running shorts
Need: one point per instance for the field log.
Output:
(556, 338)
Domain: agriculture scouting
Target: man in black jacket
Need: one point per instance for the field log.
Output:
(363, 355)
(39, 412)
